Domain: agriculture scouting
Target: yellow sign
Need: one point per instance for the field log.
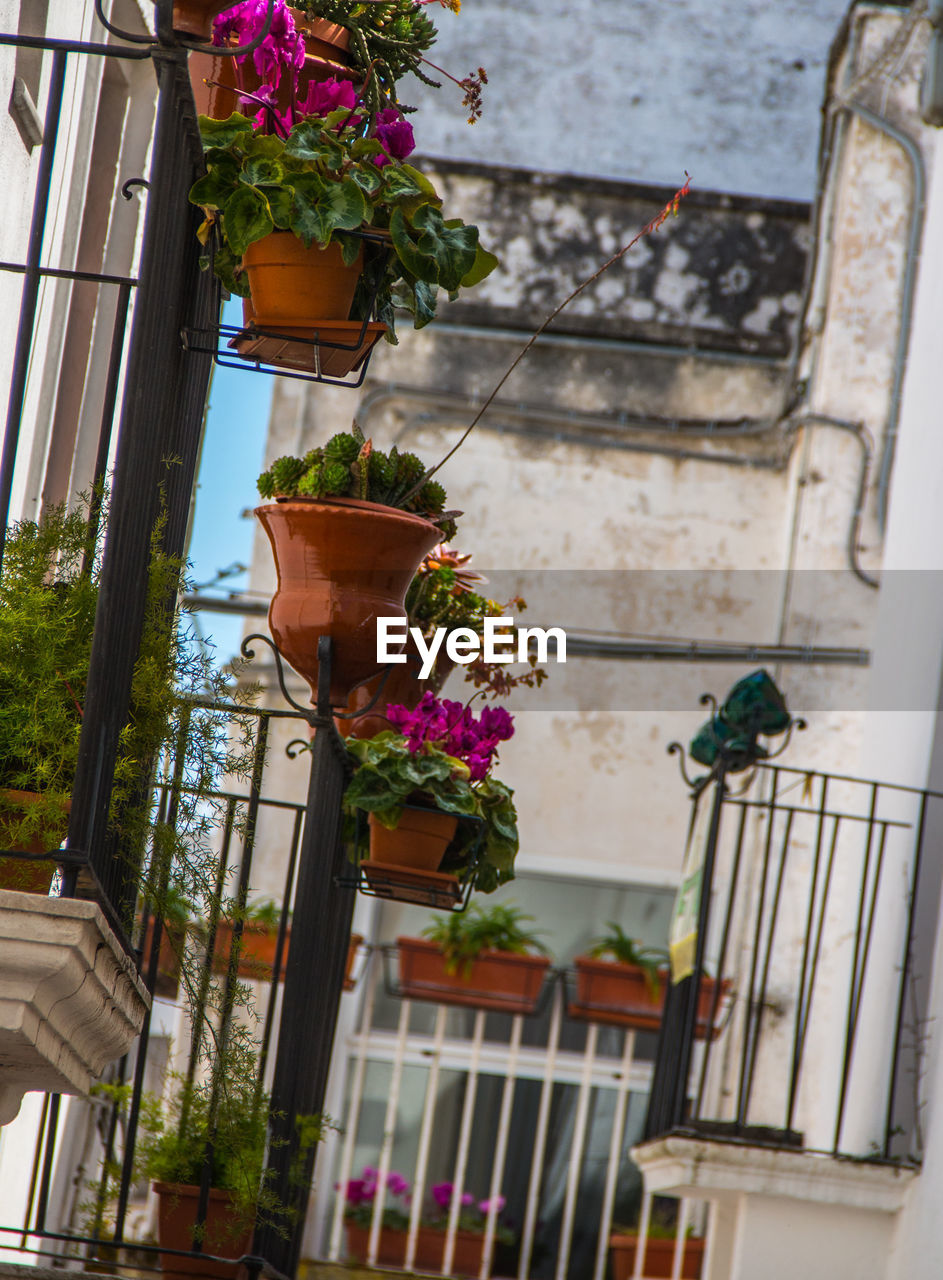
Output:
(682, 936)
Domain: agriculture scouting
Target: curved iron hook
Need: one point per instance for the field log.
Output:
(134, 182)
(797, 724)
(300, 744)
(116, 31)
(708, 699)
(676, 749)
(355, 715)
(249, 654)
(223, 52)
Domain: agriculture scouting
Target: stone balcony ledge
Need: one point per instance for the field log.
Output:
(71, 999)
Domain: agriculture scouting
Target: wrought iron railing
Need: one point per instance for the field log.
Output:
(810, 928)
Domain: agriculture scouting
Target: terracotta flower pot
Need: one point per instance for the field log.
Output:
(169, 953)
(257, 954)
(430, 1248)
(217, 82)
(195, 17)
(498, 980)
(419, 840)
(176, 1215)
(293, 286)
(621, 995)
(341, 563)
(17, 873)
(658, 1259)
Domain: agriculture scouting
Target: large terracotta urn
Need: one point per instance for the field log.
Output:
(341, 564)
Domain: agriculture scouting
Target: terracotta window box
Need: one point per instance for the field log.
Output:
(659, 1257)
(430, 1249)
(621, 995)
(497, 980)
(257, 955)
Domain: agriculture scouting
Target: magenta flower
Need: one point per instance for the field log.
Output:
(442, 1194)
(394, 134)
(454, 729)
(283, 47)
(359, 1191)
(484, 1206)
(397, 1184)
(325, 96)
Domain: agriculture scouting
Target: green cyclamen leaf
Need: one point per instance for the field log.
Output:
(223, 133)
(247, 218)
(454, 248)
(261, 171)
(215, 187)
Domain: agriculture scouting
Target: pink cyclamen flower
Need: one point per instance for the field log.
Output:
(499, 1202)
(394, 134)
(442, 1194)
(397, 1184)
(325, 96)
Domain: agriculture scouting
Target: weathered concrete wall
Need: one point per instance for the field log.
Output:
(726, 89)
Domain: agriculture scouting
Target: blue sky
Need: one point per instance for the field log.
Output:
(233, 448)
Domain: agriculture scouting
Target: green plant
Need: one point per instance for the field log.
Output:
(324, 183)
(349, 466)
(388, 775)
(48, 595)
(387, 41)
(625, 950)
(462, 936)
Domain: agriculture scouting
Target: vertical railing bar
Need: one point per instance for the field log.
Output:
(576, 1152)
(389, 1132)
(30, 296)
(109, 401)
(767, 959)
(425, 1135)
(721, 959)
(904, 974)
(353, 1109)
(34, 1171)
(52, 1126)
(761, 905)
(464, 1140)
(644, 1222)
(280, 945)
(615, 1155)
(862, 972)
(677, 1261)
(800, 1022)
(820, 930)
(846, 1056)
(501, 1147)
(540, 1137)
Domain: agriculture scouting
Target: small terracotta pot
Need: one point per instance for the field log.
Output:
(419, 840)
(17, 873)
(257, 953)
(341, 564)
(295, 286)
(498, 980)
(176, 1215)
(195, 17)
(658, 1259)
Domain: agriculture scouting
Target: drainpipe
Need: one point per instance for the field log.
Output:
(931, 90)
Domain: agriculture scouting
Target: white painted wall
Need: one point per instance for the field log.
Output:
(638, 90)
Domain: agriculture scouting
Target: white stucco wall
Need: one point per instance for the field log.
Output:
(728, 90)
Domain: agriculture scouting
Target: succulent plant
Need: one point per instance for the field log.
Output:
(349, 466)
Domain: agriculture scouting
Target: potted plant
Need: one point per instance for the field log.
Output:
(621, 982)
(176, 914)
(257, 943)
(434, 810)
(482, 957)
(442, 594)
(319, 218)
(48, 595)
(348, 527)
(360, 1194)
(295, 51)
(660, 1246)
(353, 949)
